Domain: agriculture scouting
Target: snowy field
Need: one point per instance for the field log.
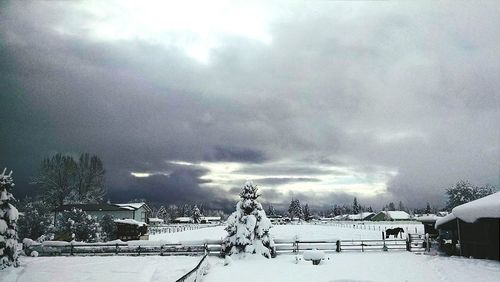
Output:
(376, 266)
(96, 269)
(343, 231)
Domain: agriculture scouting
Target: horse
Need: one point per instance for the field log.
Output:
(393, 231)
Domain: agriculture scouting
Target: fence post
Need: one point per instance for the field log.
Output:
(71, 249)
(384, 248)
(139, 250)
(116, 249)
(362, 247)
(408, 243)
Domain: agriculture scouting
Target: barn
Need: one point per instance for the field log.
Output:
(472, 229)
(391, 216)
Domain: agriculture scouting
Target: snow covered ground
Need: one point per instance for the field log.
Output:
(343, 231)
(96, 269)
(375, 266)
(344, 266)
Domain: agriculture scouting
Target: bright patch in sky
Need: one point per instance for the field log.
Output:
(227, 175)
(197, 27)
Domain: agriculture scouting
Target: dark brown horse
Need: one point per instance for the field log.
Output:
(393, 231)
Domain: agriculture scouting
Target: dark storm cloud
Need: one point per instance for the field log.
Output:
(410, 88)
(234, 154)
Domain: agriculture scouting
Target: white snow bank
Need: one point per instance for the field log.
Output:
(487, 207)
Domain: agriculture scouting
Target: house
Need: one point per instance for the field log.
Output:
(135, 211)
(276, 219)
(184, 219)
(210, 219)
(472, 229)
(391, 216)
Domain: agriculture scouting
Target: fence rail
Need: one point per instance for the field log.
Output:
(196, 274)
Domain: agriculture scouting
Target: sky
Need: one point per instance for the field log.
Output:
(321, 101)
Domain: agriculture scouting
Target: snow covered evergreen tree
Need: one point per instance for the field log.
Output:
(295, 209)
(307, 213)
(8, 220)
(196, 214)
(108, 228)
(248, 227)
(355, 206)
(271, 210)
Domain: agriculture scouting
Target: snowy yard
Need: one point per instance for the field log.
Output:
(303, 231)
(105, 269)
(379, 266)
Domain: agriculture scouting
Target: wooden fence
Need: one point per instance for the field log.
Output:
(413, 243)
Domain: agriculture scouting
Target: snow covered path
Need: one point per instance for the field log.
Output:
(105, 269)
(376, 266)
(303, 231)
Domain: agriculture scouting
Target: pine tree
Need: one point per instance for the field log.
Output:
(428, 209)
(108, 228)
(307, 213)
(400, 206)
(8, 221)
(391, 206)
(248, 227)
(271, 210)
(355, 206)
(196, 214)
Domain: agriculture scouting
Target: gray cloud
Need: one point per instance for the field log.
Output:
(407, 87)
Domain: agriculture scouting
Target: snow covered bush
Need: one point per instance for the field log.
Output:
(248, 227)
(108, 228)
(36, 221)
(77, 225)
(8, 219)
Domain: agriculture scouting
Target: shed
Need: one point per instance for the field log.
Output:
(473, 227)
(429, 221)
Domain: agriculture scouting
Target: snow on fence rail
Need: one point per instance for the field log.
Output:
(196, 274)
(174, 228)
(413, 243)
(409, 226)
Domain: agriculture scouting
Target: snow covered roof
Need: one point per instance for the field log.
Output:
(487, 207)
(88, 207)
(131, 206)
(359, 216)
(428, 218)
(183, 219)
(130, 221)
(395, 215)
(155, 219)
(443, 220)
